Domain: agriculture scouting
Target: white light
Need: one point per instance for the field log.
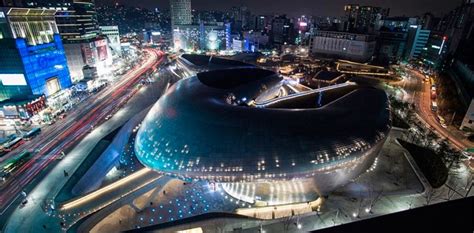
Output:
(441, 47)
(299, 226)
(59, 67)
(367, 210)
(13, 79)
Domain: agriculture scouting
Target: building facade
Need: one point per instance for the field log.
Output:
(76, 20)
(416, 41)
(202, 37)
(32, 56)
(181, 13)
(79, 29)
(392, 38)
(355, 47)
(362, 19)
(282, 31)
(468, 121)
(113, 38)
(434, 53)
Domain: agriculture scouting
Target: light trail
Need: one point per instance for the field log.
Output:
(104, 190)
(76, 125)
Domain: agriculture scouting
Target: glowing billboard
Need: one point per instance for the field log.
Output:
(13, 79)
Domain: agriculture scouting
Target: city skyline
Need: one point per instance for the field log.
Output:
(304, 7)
(236, 116)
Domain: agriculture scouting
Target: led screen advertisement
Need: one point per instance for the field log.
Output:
(101, 46)
(13, 80)
(52, 85)
(102, 52)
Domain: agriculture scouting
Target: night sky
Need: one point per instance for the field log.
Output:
(310, 7)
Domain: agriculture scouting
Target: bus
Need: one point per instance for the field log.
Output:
(10, 145)
(11, 165)
(434, 106)
(32, 133)
(442, 121)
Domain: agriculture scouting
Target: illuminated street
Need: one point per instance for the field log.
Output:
(252, 116)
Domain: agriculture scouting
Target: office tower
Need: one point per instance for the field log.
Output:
(180, 12)
(362, 19)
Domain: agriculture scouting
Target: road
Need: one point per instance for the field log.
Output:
(422, 99)
(66, 133)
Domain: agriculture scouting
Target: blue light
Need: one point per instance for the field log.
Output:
(41, 63)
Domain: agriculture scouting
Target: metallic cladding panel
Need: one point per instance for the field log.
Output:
(194, 133)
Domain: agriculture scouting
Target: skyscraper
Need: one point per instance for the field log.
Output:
(416, 41)
(113, 38)
(180, 12)
(282, 30)
(76, 19)
(362, 19)
(79, 30)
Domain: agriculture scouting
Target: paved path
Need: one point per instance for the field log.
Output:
(83, 206)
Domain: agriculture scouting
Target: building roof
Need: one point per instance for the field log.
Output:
(203, 126)
(13, 11)
(327, 75)
(211, 62)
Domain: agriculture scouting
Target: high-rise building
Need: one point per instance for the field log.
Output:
(76, 19)
(181, 13)
(261, 23)
(416, 41)
(362, 19)
(459, 28)
(282, 30)
(392, 38)
(434, 53)
(113, 38)
(79, 30)
(32, 57)
(202, 37)
(468, 121)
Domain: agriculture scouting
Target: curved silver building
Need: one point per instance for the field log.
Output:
(210, 127)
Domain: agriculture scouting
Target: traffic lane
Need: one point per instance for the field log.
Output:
(47, 188)
(32, 171)
(424, 106)
(53, 130)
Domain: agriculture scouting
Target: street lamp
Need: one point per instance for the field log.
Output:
(299, 226)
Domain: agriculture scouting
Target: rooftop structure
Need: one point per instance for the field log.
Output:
(322, 138)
